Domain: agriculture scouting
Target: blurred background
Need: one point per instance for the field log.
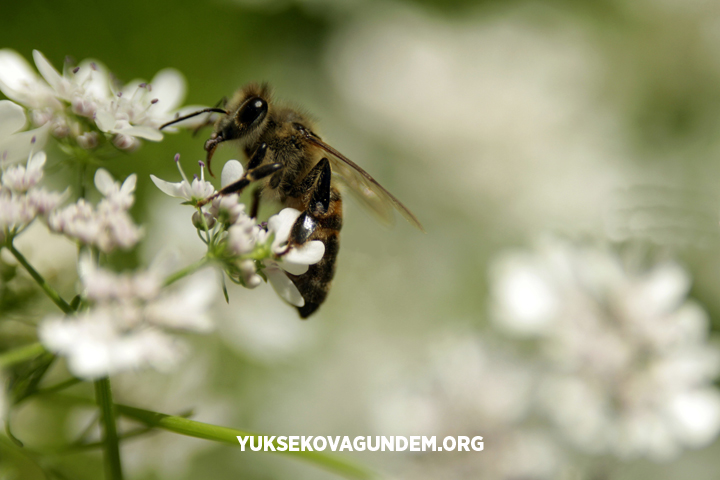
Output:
(563, 158)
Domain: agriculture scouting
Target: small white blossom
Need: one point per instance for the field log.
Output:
(21, 201)
(628, 369)
(242, 236)
(138, 109)
(194, 191)
(57, 100)
(20, 178)
(126, 326)
(115, 193)
(107, 227)
(227, 208)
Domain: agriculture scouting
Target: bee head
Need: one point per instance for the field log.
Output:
(245, 122)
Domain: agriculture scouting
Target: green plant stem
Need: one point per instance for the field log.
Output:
(20, 354)
(192, 268)
(49, 291)
(103, 397)
(217, 433)
(191, 428)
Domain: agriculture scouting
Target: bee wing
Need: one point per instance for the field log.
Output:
(365, 188)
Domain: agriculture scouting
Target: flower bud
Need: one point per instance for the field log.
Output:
(197, 220)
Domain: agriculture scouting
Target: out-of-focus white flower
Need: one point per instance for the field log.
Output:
(140, 108)
(468, 387)
(627, 367)
(127, 324)
(21, 201)
(135, 111)
(115, 193)
(194, 191)
(19, 82)
(107, 227)
(20, 178)
(16, 144)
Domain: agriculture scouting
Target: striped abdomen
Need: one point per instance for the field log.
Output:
(315, 283)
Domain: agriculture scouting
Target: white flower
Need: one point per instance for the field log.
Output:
(21, 201)
(194, 191)
(135, 111)
(16, 144)
(116, 194)
(126, 327)
(15, 213)
(466, 386)
(294, 260)
(242, 236)
(628, 369)
(107, 227)
(20, 178)
(85, 87)
(140, 108)
(19, 82)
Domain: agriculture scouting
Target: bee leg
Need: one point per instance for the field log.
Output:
(255, 205)
(257, 157)
(308, 220)
(249, 177)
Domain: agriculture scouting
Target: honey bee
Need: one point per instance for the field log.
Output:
(298, 170)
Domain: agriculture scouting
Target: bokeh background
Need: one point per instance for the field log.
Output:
(503, 125)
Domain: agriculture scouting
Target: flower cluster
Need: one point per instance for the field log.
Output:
(627, 365)
(468, 386)
(84, 104)
(248, 252)
(107, 226)
(21, 199)
(126, 325)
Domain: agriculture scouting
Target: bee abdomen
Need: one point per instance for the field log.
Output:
(315, 283)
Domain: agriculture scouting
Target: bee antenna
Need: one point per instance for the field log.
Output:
(185, 117)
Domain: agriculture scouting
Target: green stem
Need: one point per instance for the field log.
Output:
(20, 354)
(191, 428)
(49, 291)
(217, 433)
(192, 268)
(103, 397)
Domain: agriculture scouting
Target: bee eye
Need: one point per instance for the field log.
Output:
(252, 111)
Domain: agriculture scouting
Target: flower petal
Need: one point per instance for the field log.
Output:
(105, 120)
(18, 146)
(169, 88)
(51, 76)
(308, 254)
(231, 173)
(104, 182)
(19, 82)
(173, 189)
(15, 71)
(148, 133)
(284, 287)
(95, 78)
(128, 185)
(281, 224)
(12, 118)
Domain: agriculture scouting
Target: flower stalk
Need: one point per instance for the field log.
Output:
(103, 397)
(49, 291)
(20, 354)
